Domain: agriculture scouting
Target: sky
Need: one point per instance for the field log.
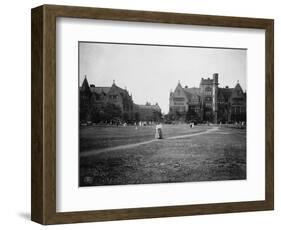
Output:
(150, 72)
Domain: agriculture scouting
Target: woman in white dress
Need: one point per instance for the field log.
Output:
(158, 133)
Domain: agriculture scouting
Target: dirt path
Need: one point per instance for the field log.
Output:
(94, 152)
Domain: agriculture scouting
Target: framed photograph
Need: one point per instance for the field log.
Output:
(139, 114)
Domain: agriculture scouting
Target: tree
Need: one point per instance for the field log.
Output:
(177, 115)
(208, 114)
(137, 116)
(111, 112)
(191, 115)
(125, 117)
(84, 106)
(156, 116)
(169, 117)
(95, 115)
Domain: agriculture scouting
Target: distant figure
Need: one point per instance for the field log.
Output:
(159, 133)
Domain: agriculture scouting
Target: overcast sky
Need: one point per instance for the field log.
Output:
(150, 72)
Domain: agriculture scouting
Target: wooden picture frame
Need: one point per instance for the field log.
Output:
(43, 208)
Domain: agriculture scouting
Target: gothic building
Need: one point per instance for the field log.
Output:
(113, 103)
(209, 102)
(148, 112)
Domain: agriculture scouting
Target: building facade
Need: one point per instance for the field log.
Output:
(113, 104)
(148, 112)
(209, 102)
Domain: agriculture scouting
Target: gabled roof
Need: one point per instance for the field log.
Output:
(179, 87)
(85, 85)
(188, 95)
(225, 92)
(237, 91)
(114, 89)
(117, 88)
(238, 87)
(100, 90)
(193, 90)
(179, 84)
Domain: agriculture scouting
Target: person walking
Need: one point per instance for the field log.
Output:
(158, 133)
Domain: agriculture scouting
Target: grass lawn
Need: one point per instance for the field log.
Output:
(92, 138)
(218, 155)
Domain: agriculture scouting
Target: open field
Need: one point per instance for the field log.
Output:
(92, 138)
(206, 153)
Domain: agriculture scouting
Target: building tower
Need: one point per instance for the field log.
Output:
(215, 96)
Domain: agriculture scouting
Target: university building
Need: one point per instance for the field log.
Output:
(105, 104)
(209, 102)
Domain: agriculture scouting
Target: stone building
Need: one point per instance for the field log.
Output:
(113, 104)
(209, 102)
(148, 112)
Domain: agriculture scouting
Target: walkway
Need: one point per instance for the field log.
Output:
(95, 152)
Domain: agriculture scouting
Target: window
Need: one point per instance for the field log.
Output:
(114, 97)
(208, 91)
(178, 99)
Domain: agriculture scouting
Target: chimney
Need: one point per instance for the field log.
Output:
(216, 78)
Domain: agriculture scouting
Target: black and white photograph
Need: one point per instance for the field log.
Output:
(151, 113)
